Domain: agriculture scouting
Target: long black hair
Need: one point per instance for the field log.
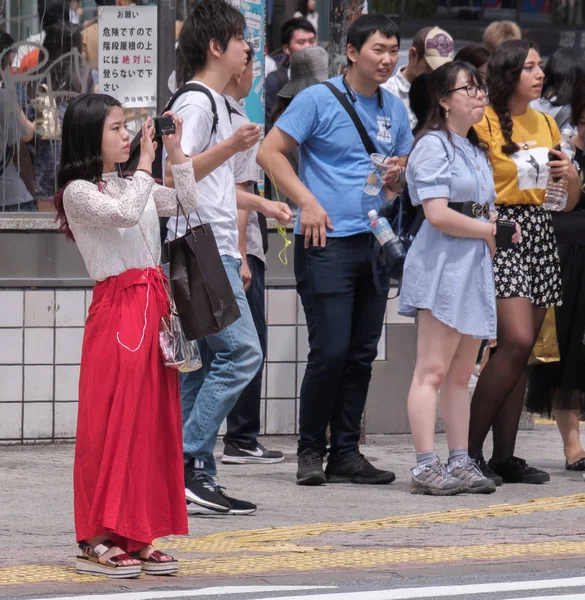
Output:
(564, 69)
(504, 70)
(442, 81)
(81, 145)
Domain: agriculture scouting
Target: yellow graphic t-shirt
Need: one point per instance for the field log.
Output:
(521, 177)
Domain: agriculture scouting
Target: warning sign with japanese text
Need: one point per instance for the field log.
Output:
(127, 54)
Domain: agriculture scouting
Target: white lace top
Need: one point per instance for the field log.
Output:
(107, 223)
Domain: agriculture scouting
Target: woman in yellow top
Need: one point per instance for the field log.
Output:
(527, 276)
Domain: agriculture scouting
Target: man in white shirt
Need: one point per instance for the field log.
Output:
(243, 422)
(212, 50)
(431, 48)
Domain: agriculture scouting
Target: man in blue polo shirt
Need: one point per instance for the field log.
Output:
(334, 244)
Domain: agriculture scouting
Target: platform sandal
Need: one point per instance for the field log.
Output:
(155, 565)
(89, 562)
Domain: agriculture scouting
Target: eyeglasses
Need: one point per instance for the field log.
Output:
(472, 90)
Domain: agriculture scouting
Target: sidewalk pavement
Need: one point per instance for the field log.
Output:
(37, 512)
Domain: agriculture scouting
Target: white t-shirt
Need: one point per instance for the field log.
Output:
(217, 191)
(246, 170)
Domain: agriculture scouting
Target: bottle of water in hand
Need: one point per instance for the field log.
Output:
(555, 198)
(391, 244)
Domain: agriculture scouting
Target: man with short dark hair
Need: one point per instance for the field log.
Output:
(431, 48)
(295, 34)
(211, 51)
(334, 246)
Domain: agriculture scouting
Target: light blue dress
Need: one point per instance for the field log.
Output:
(450, 276)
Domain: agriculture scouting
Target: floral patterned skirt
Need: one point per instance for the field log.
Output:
(531, 269)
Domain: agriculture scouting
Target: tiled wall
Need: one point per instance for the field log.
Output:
(41, 332)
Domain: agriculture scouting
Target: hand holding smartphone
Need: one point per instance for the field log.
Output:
(505, 231)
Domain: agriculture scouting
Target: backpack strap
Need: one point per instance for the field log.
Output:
(193, 86)
(546, 118)
(350, 110)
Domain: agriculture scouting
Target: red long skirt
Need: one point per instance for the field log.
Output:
(128, 472)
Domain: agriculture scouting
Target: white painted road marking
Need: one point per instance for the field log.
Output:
(445, 591)
(210, 591)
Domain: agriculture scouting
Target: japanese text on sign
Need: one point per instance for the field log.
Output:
(127, 57)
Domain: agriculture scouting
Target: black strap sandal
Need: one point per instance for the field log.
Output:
(578, 465)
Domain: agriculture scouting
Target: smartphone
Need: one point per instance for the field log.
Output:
(505, 230)
(552, 157)
(164, 126)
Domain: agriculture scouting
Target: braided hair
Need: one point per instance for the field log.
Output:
(504, 70)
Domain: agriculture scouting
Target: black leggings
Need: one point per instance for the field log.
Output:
(499, 395)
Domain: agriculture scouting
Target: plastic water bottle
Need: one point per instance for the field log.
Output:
(391, 244)
(555, 198)
(381, 228)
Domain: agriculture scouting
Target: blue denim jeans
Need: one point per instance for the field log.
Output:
(345, 315)
(231, 359)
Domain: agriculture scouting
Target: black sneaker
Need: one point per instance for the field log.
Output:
(356, 469)
(310, 471)
(201, 489)
(237, 507)
(238, 454)
(485, 468)
(515, 470)
(206, 497)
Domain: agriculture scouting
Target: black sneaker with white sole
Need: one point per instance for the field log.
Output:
(201, 489)
(239, 454)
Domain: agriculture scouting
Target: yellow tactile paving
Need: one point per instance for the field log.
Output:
(273, 550)
(277, 539)
(295, 562)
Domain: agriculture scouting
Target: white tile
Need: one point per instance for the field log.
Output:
(302, 343)
(11, 346)
(12, 311)
(10, 421)
(65, 419)
(222, 428)
(66, 382)
(382, 345)
(282, 307)
(38, 420)
(88, 299)
(38, 346)
(38, 383)
(281, 380)
(11, 384)
(70, 308)
(68, 346)
(301, 318)
(392, 315)
(280, 416)
(262, 417)
(39, 309)
(301, 368)
(281, 343)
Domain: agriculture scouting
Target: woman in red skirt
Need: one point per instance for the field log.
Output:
(128, 472)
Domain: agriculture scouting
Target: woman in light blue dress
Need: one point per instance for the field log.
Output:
(448, 278)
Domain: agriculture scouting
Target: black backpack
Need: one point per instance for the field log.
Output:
(129, 167)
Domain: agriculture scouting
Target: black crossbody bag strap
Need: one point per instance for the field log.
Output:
(350, 110)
